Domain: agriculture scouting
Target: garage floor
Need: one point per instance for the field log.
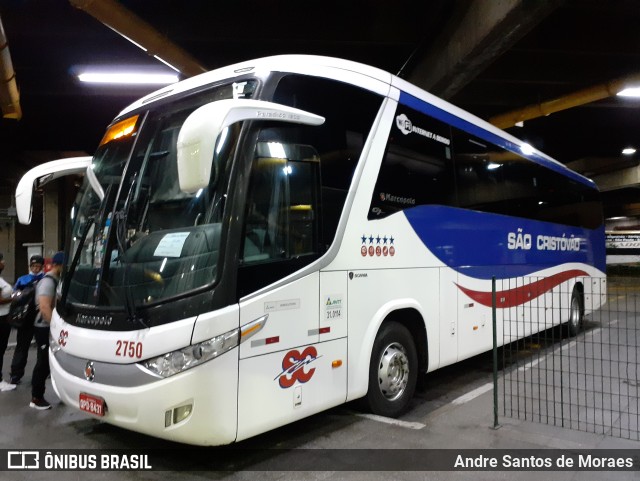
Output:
(453, 411)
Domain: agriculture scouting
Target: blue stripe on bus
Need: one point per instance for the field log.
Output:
(477, 243)
(473, 129)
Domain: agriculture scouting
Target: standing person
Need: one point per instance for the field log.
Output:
(46, 302)
(25, 333)
(5, 328)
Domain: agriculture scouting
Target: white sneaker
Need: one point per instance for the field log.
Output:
(5, 386)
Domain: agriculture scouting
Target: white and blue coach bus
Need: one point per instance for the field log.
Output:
(268, 240)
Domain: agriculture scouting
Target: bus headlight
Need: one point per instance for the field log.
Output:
(177, 361)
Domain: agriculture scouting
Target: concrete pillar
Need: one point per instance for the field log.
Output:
(619, 179)
(7, 243)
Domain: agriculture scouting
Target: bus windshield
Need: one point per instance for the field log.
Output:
(137, 239)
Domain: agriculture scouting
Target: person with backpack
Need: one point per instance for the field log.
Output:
(25, 330)
(46, 302)
(5, 328)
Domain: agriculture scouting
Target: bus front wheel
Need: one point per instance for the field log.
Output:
(393, 371)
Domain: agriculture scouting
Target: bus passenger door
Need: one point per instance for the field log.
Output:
(284, 371)
(278, 365)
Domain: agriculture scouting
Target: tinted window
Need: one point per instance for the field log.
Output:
(300, 177)
(416, 168)
(492, 179)
(282, 208)
(426, 162)
(349, 114)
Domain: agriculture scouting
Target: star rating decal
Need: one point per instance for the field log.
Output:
(377, 246)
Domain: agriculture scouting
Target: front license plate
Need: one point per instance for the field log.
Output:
(92, 404)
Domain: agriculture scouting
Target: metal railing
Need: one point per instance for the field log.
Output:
(585, 378)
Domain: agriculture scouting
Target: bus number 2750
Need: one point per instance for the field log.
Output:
(129, 349)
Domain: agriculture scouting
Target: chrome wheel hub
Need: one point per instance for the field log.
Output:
(393, 371)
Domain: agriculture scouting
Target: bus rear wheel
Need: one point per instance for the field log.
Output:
(393, 371)
(576, 313)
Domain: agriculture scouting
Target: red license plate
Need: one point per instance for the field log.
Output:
(92, 404)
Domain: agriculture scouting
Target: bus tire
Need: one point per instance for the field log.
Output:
(393, 371)
(576, 313)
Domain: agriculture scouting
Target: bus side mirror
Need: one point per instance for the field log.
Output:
(200, 131)
(39, 176)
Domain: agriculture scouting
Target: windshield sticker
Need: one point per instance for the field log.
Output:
(406, 127)
(171, 245)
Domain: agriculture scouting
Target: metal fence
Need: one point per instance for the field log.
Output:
(587, 380)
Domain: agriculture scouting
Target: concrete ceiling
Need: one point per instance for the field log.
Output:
(488, 57)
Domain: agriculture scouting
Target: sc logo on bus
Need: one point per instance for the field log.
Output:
(293, 365)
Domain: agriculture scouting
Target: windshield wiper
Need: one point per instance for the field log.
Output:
(120, 220)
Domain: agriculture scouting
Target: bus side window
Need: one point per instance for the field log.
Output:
(281, 228)
(281, 218)
(492, 179)
(417, 168)
(306, 171)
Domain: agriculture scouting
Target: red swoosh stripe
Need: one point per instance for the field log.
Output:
(520, 295)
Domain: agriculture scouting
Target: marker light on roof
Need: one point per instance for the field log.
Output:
(124, 128)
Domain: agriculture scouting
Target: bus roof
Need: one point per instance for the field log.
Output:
(304, 64)
(373, 79)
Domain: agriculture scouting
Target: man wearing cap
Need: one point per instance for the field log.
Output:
(5, 328)
(46, 302)
(25, 333)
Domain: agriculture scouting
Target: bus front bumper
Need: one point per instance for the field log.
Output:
(197, 406)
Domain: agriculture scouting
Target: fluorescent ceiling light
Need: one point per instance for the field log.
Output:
(629, 151)
(493, 166)
(616, 218)
(629, 92)
(128, 78)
